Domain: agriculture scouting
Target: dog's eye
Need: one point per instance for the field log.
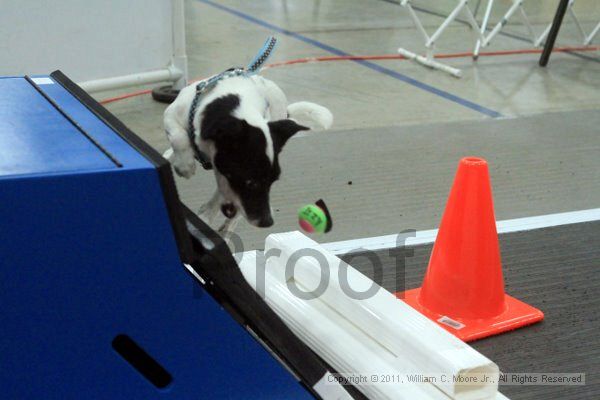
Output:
(251, 184)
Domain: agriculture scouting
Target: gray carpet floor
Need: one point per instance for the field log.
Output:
(554, 269)
(386, 180)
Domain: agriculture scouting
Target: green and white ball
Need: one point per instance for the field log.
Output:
(312, 219)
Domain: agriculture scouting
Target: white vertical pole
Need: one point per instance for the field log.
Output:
(179, 52)
(446, 22)
(574, 17)
(589, 39)
(473, 22)
(416, 19)
(516, 4)
(486, 18)
(543, 36)
(527, 23)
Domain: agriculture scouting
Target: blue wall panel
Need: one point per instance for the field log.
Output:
(35, 138)
(88, 254)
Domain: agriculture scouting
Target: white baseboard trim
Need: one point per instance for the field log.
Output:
(428, 236)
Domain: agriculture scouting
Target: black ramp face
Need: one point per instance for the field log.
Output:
(556, 270)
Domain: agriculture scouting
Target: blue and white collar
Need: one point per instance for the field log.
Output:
(208, 84)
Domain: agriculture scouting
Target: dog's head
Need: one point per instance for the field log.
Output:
(245, 156)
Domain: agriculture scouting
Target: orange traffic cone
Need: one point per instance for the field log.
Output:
(463, 289)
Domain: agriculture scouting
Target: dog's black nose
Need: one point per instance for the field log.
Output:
(265, 222)
(228, 210)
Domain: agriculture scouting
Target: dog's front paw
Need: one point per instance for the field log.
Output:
(184, 163)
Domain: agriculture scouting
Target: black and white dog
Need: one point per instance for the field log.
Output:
(241, 125)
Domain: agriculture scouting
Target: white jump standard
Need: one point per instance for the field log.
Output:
(428, 59)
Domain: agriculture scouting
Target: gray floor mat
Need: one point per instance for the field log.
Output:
(555, 269)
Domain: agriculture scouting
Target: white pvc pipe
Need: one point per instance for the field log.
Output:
(474, 26)
(416, 20)
(450, 18)
(527, 23)
(484, 23)
(418, 344)
(431, 63)
(170, 74)
(336, 339)
(594, 32)
(586, 39)
(543, 36)
(576, 20)
(515, 6)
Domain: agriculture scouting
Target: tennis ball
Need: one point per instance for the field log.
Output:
(312, 219)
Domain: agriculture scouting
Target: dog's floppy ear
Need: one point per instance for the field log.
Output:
(282, 130)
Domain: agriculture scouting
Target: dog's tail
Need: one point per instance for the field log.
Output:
(310, 114)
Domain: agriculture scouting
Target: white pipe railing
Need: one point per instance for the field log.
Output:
(418, 344)
(176, 73)
(170, 74)
(336, 339)
(364, 336)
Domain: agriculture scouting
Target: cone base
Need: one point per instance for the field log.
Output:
(516, 314)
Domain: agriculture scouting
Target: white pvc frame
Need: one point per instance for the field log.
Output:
(586, 39)
(176, 72)
(483, 40)
(428, 60)
(537, 41)
(364, 336)
(486, 39)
